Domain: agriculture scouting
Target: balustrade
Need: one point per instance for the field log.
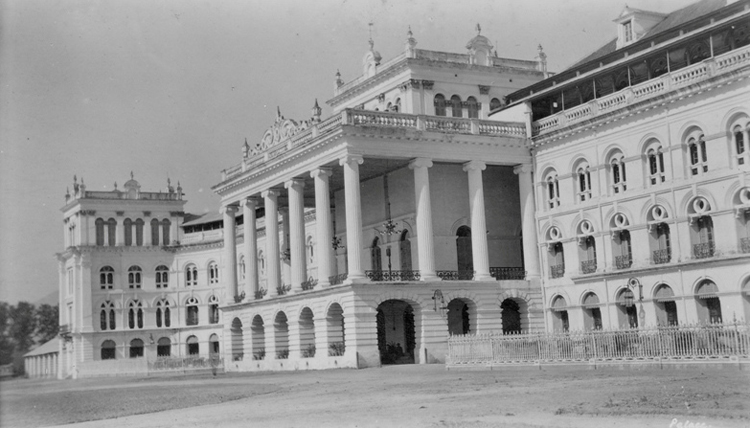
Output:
(703, 250)
(338, 279)
(745, 245)
(455, 275)
(623, 262)
(309, 284)
(507, 273)
(392, 275)
(557, 271)
(662, 256)
(588, 266)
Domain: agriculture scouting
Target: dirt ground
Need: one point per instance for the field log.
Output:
(395, 396)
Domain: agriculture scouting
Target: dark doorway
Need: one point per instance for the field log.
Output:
(396, 332)
(511, 316)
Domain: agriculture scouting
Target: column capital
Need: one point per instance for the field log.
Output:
(295, 183)
(229, 209)
(322, 171)
(251, 202)
(350, 159)
(270, 193)
(475, 165)
(420, 163)
(524, 168)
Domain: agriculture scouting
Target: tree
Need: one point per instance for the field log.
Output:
(23, 326)
(6, 343)
(47, 322)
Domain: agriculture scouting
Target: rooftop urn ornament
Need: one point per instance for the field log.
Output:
(316, 112)
(67, 193)
(411, 44)
(339, 81)
(245, 149)
(170, 189)
(75, 184)
(179, 190)
(479, 30)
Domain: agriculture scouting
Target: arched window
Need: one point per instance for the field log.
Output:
(106, 277)
(135, 314)
(241, 268)
(108, 350)
(592, 312)
(464, 255)
(213, 273)
(553, 190)
(397, 105)
(583, 177)
(134, 277)
(193, 348)
(213, 345)
(405, 251)
(128, 229)
(473, 107)
(627, 314)
(439, 105)
(310, 250)
(213, 310)
(588, 255)
(559, 309)
(740, 140)
(162, 276)
(697, 152)
(107, 316)
(165, 227)
(192, 311)
(708, 303)
(99, 232)
(456, 106)
(622, 249)
(163, 314)
(111, 232)
(555, 254)
(666, 308)
(495, 104)
(617, 171)
(703, 243)
(136, 348)
(376, 261)
(164, 347)
(261, 263)
(139, 232)
(655, 159)
(154, 231)
(191, 275)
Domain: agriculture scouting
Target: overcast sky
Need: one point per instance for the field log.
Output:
(172, 88)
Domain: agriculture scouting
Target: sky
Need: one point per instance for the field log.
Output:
(171, 89)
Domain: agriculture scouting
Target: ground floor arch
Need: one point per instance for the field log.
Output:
(238, 350)
(307, 333)
(512, 312)
(396, 332)
(258, 338)
(281, 335)
(335, 327)
(461, 316)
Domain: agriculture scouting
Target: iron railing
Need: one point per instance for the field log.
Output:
(662, 256)
(507, 273)
(708, 342)
(337, 279)
(455, 275)
(309, 284)
(588, 266)
(623, 262)
(186, 363)
(283, 289)
(745, 245)
(557, 271)
(703, 250)
(392, 275)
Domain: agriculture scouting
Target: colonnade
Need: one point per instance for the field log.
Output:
(44, 365)
(354, 244)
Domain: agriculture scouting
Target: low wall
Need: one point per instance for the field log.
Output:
(347, 361)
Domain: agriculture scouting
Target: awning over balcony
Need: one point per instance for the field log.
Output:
(707, 290)
(664, 294)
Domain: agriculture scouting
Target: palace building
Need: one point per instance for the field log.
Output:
(446, 193)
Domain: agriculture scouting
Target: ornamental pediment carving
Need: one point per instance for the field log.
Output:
(281, 130)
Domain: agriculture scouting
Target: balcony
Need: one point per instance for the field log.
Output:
(309, 284)
(557, 271)
(623, 262)
(508, 273)
(652, 88)
(455, 275)
(338, 279)
(392, 275)
(588, 266)
(703, 250)
(745, 245)
(662, 256)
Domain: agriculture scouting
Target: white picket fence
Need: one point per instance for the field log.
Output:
(713, 342)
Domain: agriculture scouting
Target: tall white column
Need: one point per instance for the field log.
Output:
(273, 265)
(120, 232)
(426, 245)
(286, 270)
(323, 225)
(230, 253)
(147, 232)
(478, 221)
(251, 246)
(351, 165)
(528, 221)
(297, 233)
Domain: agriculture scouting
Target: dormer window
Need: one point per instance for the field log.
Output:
(627, 31)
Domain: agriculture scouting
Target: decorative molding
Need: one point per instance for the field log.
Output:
(484, 90)
(428, 84)
(381, 97)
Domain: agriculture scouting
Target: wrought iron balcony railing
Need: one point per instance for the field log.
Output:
(662, 256)
(392, 275)
(455, 275)
(588, 266)
(745, 245)
(309, 284)
(557, 271)
(703, 250)
(623, 262)
(338, 279)
(507, 273)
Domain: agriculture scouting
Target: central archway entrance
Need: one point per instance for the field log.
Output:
(396, 332)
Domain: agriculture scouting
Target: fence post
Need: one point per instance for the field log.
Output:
(737, 344)
(539, 350)
(593, 345)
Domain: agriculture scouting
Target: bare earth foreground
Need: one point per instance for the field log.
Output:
(397, 396)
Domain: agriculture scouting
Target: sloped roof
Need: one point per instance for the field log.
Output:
(672, 20)
(208, 217)
(46, 348)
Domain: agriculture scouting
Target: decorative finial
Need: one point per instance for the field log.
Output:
(67, 193)
(479, 29)
(278, 113)
(370, 24)
(409, 33)
(339, 80)
(316, 111)
(131, 175)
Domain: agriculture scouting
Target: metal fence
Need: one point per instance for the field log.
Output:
(186, 364)
(712, 342)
